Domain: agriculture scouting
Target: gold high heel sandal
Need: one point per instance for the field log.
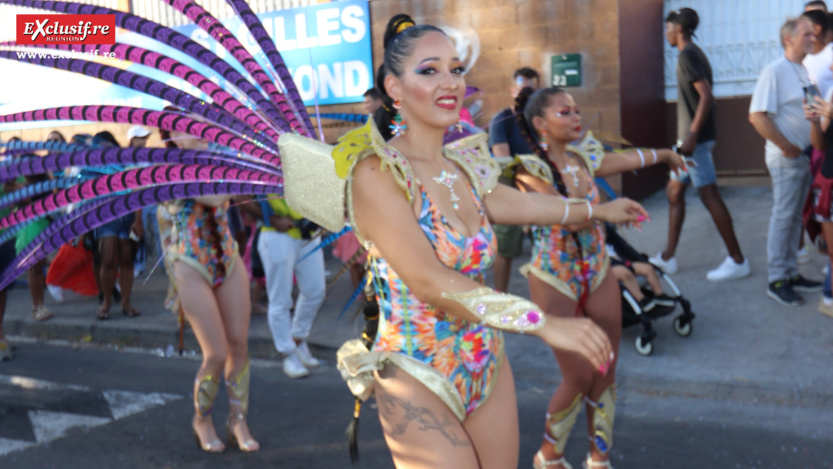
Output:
(556, 434)
(541, 463)
(604, 413)
(204, 395)
(238, 391)
(247, 446)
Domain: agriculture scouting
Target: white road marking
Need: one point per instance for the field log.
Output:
(8, 446)
(50, 425)
(124, 403)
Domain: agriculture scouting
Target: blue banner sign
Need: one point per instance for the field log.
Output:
(326, 48)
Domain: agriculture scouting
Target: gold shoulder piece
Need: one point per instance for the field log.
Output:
(352, 147)
(365, 141)
(311, 185)
(472, 154)
(536, 167)
(591, 150)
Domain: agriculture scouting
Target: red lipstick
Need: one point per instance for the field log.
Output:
(447, 102)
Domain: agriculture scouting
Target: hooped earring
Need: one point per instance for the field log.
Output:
(398, 125)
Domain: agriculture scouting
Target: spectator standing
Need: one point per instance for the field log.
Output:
(818, 61)
(285, 239)
(7, 255)
(115, 246)
(372, 100)
(696, 134)
(505, 139)
(777, 114)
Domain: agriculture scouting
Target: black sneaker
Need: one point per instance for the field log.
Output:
(782, 292)
(664, 300)
(801, 284)
(646, 304)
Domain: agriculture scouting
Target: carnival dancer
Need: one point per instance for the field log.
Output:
(443, 384)
(238, 121)
(568, 270)
(212, 290)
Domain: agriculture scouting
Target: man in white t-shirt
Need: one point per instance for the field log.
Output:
(777, 113)
(818, 61)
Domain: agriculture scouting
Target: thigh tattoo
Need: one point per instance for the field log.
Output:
(425, 419)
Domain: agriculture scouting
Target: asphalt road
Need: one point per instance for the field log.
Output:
(68, 407)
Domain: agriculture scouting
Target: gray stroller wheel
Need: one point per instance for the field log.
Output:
(682, 327)
(643, 347)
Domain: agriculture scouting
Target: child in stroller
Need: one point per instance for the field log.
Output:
(643, 303)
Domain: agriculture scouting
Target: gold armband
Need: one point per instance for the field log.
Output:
(501, 310)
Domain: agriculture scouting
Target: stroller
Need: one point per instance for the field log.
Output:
(633, 314)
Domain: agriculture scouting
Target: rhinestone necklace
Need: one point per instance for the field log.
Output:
(447, 179)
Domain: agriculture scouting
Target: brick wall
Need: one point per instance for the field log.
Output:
(517, 33)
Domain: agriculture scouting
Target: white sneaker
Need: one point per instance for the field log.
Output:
(729, 270)
(669, 267)
(293, 367)
(56, 292)
(803, 255)
(826, 306)
(303, 353)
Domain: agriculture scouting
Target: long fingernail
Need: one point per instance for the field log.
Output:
(640, 218)
(602, 370)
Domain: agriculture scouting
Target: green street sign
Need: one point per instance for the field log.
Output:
(566, 70)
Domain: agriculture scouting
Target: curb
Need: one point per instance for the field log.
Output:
(139, 336)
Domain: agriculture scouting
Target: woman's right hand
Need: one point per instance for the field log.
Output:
(581, 336)
(819, 108)
(621, 210)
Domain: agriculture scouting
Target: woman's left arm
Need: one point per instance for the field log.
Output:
(508, 206)
(631, 160)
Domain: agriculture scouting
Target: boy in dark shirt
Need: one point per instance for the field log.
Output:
(505, 139)
(696, 134)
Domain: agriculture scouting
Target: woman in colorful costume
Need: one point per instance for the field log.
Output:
(568, 270)
(212, 290)
(242, 120)
(443, 384)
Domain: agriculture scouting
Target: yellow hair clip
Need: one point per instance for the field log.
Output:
(405, 25)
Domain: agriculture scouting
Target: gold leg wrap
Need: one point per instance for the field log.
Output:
(238, 392)
(604, 413)
(560, 425)
(206, 391)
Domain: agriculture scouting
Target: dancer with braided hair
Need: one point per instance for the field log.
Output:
(567, 273)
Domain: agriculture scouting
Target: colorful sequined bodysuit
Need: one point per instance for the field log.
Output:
(556, 257)
(444, 349)
(195, 245)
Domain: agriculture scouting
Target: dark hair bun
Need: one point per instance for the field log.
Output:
(396, 25)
